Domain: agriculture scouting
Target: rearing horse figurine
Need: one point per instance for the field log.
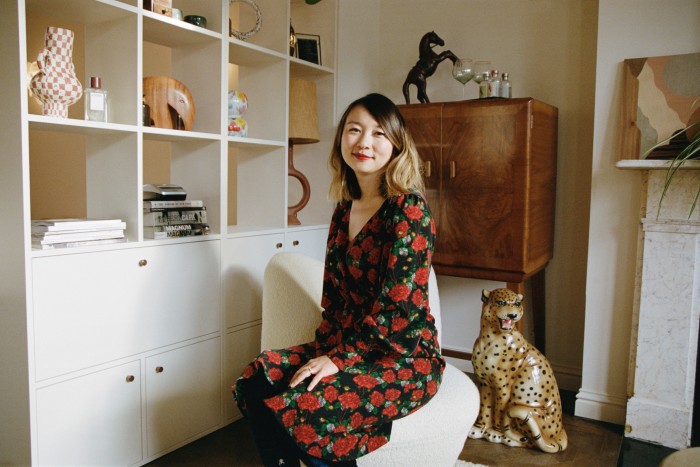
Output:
(426, 65)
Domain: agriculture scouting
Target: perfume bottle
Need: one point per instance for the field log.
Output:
(95, 101)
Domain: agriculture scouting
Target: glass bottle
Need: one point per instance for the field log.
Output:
(506, 90)
(484, 85)
(494, 87)
(95, 101)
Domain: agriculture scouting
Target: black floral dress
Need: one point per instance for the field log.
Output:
(376, 328)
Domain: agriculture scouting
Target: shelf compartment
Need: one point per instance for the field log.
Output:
(262, 78)
(84, 174)
(274, 33)
(256, 187)
(194, 164)
(187, 63)
(98, 26)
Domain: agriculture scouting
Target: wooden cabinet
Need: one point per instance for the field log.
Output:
(490, 171)
(86, 329)
(490, 168)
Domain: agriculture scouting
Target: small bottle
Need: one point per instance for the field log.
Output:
(506, 91)
(95, 101)
(494, 87)
(484, 85)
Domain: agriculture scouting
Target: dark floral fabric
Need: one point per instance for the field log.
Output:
(376, 328)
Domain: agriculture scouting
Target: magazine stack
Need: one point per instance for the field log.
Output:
(163, 219)
(48, 234)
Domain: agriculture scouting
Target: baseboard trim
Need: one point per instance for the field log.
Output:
(602, 407)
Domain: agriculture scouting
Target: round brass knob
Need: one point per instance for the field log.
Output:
(159, 369)
(279, 245)
(130, 379)
(295, 243)
(142, 263)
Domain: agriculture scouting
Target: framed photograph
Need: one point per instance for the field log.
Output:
(309, 48)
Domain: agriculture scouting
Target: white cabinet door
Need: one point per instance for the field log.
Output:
(183, 395)
(91, 420)
(242, 347)
(308, 242)
(97, 307)
(244, 260)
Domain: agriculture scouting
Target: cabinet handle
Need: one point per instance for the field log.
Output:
(428, 169)
(278, 246)
(130, 379)
(142, 263)
(295, 243)
(453, 169)
(159, 369)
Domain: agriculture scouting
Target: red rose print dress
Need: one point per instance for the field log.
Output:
(377, 329)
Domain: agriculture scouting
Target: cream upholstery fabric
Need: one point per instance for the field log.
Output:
(434, 435)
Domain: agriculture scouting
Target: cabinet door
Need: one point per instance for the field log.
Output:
(424, 121)
(183, 394)
(311, 243)
(93, 308)
(91, 420)
(245, 259)
(242, 346)
(484, 192)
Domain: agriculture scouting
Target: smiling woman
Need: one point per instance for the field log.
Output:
(376, 355)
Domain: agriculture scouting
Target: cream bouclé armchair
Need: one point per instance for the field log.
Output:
(432, 436)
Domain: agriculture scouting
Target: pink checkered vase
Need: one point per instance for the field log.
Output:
(55, 84)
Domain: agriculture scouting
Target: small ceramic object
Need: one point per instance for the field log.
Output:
(197, 20)
(237, 103)
(520, 403)
(237, 126)
(177, 13)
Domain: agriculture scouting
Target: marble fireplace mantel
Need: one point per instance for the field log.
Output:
(664, 339)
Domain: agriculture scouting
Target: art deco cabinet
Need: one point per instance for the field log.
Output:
(490, 167)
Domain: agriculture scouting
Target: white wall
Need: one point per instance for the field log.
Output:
(626, 29)
(548, 47)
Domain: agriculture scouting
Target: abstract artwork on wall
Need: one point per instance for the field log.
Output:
(659, 100)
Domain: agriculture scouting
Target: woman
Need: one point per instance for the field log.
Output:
(375, 357)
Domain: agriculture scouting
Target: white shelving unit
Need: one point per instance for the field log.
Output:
(122, 353)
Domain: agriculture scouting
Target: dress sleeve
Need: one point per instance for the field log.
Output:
(398, 318)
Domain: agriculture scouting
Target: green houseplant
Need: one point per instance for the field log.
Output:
(689, 151)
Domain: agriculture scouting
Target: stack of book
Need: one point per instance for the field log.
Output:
(65, 233)
(174, 218)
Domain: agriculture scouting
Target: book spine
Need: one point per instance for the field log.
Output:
(173, 204)
(174, 217)
(175, 231)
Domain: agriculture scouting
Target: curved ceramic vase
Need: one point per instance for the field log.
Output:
(55, 84)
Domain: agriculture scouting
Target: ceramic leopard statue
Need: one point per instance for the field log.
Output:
(520, 404)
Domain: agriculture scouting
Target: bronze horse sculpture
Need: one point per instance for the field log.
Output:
(426, 65)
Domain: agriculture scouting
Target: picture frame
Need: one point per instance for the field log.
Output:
(308, 48)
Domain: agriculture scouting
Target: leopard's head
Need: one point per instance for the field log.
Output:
(502, 308)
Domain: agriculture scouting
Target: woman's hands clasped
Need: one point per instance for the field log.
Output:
(318, 368)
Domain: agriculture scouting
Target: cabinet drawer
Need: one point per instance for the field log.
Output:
(183, 394)
(91, 420)
(93, 308)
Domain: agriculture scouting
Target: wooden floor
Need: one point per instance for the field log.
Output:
(591, 443)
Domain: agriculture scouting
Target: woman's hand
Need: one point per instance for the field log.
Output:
(318, 367)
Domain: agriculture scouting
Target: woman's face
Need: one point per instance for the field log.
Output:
(364, 146)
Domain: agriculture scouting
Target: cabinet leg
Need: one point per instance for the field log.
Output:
(517, 287)
(538, 314)
(537, 287)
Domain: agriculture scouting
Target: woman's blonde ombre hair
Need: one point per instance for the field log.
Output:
(403, 172)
